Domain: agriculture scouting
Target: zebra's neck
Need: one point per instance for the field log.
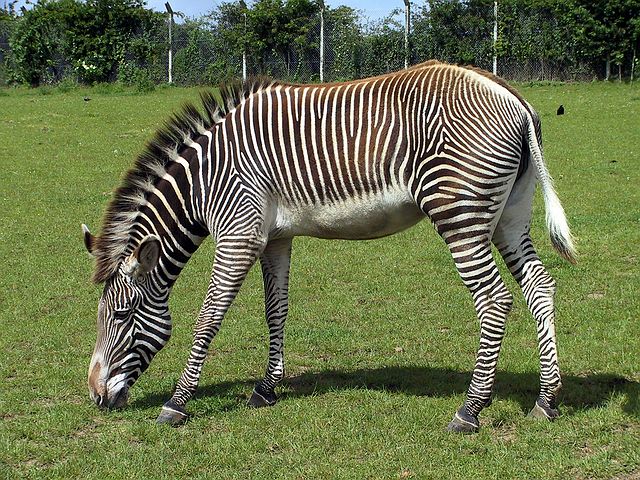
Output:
(172, 212)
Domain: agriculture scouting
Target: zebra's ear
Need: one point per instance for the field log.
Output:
(145, 257)
(89, 239)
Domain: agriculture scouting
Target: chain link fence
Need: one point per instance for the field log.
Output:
(339, 44)
(6, 28)
(352, 48)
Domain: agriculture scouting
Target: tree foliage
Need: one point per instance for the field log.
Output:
(454, 31)
(7, 25)
(574, 33)
(344, 24)
(100, 40)
(88, 38)
(271, 33)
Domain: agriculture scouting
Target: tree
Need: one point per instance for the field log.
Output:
(382, 47)
(38, 41)
(635, 41)
(454, 30)
(7, 25)
(344, 41)
(89, 38)
(196, 63)
(612, 30)
(277, 35)
(228, 25)
(101, 32)
(279, 32)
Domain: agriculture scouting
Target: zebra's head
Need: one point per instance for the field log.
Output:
(133, 324)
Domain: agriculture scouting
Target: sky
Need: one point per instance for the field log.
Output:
(374, 9)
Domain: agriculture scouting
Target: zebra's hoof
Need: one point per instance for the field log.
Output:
(173, 415)
(543, 412)
(261, 397)
(463, 423)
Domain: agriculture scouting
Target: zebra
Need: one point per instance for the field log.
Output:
(262, 162)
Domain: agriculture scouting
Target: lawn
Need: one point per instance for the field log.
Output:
(381, 336)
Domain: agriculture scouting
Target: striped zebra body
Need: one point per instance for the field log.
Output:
(356, 160)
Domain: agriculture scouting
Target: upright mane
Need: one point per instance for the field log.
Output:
(165, 146)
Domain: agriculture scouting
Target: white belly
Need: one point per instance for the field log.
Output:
(372, 216)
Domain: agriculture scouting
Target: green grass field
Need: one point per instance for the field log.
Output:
(381, 336)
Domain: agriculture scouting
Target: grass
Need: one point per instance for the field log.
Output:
(381, 337)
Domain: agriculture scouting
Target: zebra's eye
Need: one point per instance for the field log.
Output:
(121, 315)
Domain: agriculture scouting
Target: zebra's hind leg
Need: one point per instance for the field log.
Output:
(275, 261)
(538, 288)
(493, 302)
(512, 239)
(234, 257)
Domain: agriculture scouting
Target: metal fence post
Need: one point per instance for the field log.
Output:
(170, 12)
(321, 41)
(495, 37)
(243, 5)
(407, 21)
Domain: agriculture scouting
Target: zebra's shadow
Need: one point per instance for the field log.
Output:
(579, 393)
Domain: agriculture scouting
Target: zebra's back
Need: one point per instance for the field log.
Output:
(346, 160)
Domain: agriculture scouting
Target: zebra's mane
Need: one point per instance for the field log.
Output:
(169, 141)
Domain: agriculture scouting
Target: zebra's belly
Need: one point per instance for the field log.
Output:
(371, 216)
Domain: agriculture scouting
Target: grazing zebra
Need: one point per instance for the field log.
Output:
(355, 160)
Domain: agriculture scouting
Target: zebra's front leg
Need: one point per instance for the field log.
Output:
(493, 302)
(275, 262)
(233, 260)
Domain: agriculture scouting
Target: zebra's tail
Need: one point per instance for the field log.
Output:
(557, 224)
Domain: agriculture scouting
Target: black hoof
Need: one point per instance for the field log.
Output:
(173, 415)
(261, 397)
(463, 423)
(543, 412)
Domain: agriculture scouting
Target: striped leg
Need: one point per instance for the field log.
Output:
(275, 261)
(512, 239)
(493, 302)
(233, 260)
(538, 288)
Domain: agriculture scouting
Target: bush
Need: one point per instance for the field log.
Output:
(67, 84)
(219, 72)
(143, 82)
(90, 37)
(36, 43)
(131, 75)
(189, 62)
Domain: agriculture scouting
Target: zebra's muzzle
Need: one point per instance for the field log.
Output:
(113, 401)
(106, 395)
(120, 399)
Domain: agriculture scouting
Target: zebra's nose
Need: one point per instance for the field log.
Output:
(97, 388)
(100, 399)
